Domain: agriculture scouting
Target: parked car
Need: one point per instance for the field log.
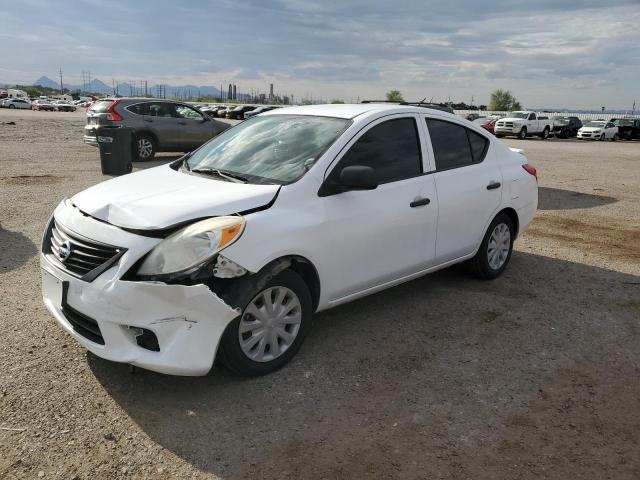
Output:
(258, 110)
(63, 106)
(160, 125)
(488, 124)
(565, 127)
(42, 105)
(238, 112)
(628, 128)
(472, 116)
(598, 130)
(15, 103)
(228, 251)
(523, 124)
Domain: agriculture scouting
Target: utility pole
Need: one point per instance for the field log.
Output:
(61, 88)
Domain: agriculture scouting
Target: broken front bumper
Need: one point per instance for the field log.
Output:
(107, 315)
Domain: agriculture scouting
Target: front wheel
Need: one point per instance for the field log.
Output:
(495, 250)
(271, 327)
(603, 137)
(12, 106)
(523, 133)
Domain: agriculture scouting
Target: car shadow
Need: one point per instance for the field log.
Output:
(400, 384)
(22, 248)
(558, 199)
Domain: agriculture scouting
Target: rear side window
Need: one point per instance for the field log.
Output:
(101, 107)
(454, 145)
(391, 148)
(139, 108)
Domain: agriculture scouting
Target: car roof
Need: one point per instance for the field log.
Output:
(348, 110)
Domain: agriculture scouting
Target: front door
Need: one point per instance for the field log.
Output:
(159, 118)
(387, 233)
(194, 128)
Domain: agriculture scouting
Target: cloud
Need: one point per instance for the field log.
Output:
(342, 49)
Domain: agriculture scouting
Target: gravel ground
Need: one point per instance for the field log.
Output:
(534, 375)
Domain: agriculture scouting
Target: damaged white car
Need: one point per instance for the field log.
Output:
(227, 252)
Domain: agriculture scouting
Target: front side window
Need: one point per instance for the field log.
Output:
(454, 145)
(273, 149)
(182, 111)
(391, 148)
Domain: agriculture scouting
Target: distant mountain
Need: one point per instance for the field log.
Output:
(124, 88)
(46, 82)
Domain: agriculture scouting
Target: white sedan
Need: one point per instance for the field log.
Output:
(598, 130)
(15, 103)
(227, 252)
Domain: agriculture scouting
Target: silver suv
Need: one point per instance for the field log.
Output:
(160, 125)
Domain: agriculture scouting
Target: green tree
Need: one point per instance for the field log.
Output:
(394, 96)
(503, 100)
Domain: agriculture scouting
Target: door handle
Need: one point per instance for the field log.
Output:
(493, 185)
(420, 202)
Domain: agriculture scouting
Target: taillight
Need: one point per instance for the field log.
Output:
(530, 170)
(112, 114)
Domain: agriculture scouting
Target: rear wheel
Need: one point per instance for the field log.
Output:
(12, 106)
(273, 324)
(615, 137)
(495, 250)
(146, 147)
(523, 133)
(545, 133)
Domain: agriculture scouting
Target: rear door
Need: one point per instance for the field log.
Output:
(194, 127)
(160, 119)
(468, 183)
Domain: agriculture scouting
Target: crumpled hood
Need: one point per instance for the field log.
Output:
(162, 197)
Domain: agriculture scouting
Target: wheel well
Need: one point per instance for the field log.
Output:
(149, 134)
(302, 267)
(513, 215)
(309, 274)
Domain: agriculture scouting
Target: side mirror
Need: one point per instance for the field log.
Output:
(204, 119)
(358, 177)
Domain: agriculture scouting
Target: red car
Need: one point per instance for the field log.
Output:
(490, 125)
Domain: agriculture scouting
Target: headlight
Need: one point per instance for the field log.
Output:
(188, 248)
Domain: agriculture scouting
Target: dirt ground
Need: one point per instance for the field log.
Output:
(534, 375)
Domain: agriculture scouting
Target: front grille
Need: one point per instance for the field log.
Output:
(78, 255)
(83, 325)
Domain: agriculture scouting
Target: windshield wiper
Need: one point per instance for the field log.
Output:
(231, 176)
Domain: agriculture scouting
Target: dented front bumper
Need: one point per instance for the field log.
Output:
(107, 314)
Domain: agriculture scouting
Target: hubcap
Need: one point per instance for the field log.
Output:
(499, 244)
(144, 148)
(270, 323)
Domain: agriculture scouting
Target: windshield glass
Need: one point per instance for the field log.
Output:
(272, 149)
(623, 122)
(518, 114)
(594, 124)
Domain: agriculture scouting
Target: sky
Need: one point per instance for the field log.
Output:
(555, 53)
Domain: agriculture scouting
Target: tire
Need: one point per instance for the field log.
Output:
(12, 106)
(523, 133)
(603, 137)
(485, 265)
(615, 137)
(545, 133)
(241, 352)
(146, 147)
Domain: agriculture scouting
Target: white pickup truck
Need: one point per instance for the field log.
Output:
(524, 124)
